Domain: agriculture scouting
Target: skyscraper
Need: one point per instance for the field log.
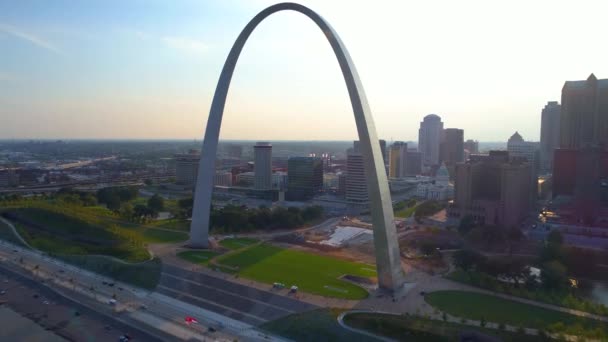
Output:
(186, 167)
(472, 146)
(580, 165)
(397, 160)
(304, 178)
(519, 148)
(429, 139)
(413, 163)
(452, 147)
(383, 150)
(493, 189)
(584, 114)
(549, 134)
(356, 183)
(262, 166)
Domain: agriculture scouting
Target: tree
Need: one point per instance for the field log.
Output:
(553, 249)
(141, 212)
(467, 259)
(466, 224)
(156, 204)
(113, 203)
(427, 248)
(127, 212)
(553, 275)
(555, 237)
(88, 200)
(148, 182)
(185, 205)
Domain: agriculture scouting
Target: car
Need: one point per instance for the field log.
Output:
(211, 329)
(61, 271)
(124, 338)
(104, 282)
(2, 292)
(120, 288)
(36, 295)
(110, 284)
(422, 293)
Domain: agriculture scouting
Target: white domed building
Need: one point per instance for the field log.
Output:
(440, 189)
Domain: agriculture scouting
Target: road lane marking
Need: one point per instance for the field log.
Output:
(232, 293)
(287, 311)
(213, 303)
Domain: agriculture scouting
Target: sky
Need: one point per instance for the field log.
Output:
(146, 69)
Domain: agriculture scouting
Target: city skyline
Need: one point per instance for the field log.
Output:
(97, 72)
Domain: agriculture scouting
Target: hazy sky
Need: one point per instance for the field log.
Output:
(148, 69)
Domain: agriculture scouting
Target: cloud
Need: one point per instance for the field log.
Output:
(185, 44)
(12, 30)
(174, 42)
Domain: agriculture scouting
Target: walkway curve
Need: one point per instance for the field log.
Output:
(390, 273)
(17, 235)
(361, 331)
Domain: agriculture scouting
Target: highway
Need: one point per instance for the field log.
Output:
(237, 301)
(153, 312)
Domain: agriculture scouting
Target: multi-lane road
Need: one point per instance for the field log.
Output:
(237, 301)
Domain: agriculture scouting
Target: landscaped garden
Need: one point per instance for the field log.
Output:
(198, 257)
(412, 328)
(312, 273)
(483, 307)
(237, 243)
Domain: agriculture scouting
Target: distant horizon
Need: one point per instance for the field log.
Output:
(201, 140)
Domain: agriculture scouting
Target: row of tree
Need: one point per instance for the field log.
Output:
(240, 219)
(554, 274)
(114, 197)
(142, 212)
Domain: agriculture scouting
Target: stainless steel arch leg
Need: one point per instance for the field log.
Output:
(390, 273)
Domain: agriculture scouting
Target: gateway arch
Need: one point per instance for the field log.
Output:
(390, 273)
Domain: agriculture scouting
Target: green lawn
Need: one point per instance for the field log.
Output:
(406, 212)
(476, 306)
(236, 243)
(175, 224)
(6, 234)
(319, 325)
(197, 257)
(410, 328)
(61, 231)
(153, 235)
(310, 272)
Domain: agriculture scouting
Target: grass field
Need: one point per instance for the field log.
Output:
(6, 234)
(153, 235)
(197, 257)
(409, 328)
(145, 274)
(406, 212)
(174, 224)
(479, 306)
(310, 272)
(236, 243)
(314, 326)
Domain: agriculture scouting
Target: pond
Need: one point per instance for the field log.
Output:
(598, 292)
